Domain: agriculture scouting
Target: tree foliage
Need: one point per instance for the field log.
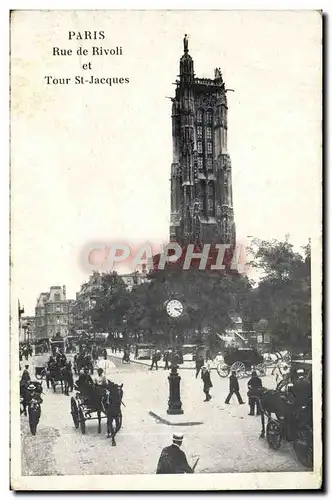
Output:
(283, 294)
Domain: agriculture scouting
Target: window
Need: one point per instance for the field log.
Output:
(200, 163)
(209, 133)
(211, 200)
(209, 147)
(57, 308)
(199, 116)
(209, 117)
(209, 164)
(56, 296)
(199, 132)
(200, 205)
(199, 147)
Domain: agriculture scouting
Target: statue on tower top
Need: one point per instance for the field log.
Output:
(217, 73)
(185, 44)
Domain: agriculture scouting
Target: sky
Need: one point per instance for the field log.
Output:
(91, 163)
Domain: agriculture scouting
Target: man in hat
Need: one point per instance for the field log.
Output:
(173, 460)
(234, 389)
(255, 387)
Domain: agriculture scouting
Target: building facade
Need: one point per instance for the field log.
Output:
(53, 313)
(85, 301)
(201, 174)
(86, 297)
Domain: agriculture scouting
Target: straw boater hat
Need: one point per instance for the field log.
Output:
(177, 438)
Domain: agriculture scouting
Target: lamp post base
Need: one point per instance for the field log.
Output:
(175, 411)
(174, 401)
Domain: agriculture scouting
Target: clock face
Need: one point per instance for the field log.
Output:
(174, 308)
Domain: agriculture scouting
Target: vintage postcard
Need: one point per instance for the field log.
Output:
(166, 250)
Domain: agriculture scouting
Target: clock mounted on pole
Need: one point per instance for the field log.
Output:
(174, 309)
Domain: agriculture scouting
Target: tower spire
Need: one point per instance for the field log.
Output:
(185, 44)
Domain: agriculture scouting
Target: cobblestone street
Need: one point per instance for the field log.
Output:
(226, 439)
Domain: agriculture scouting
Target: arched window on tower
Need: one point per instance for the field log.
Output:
(199, 116)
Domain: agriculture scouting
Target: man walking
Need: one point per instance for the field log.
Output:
(207, 384)
(234, 389)
(199, 361)
(173, 460)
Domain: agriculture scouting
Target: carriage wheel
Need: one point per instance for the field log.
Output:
(222, 370)
(119, 422)
(239, 368)
(303, 447)
(273, 434)
(261, 370)
(82, 420)
(74, 412)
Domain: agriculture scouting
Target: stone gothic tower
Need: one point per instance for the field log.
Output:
(201, 178)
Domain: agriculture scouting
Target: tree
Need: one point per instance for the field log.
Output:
(283, 295)
(111, 304)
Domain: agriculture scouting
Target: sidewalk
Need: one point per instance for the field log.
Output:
(187, 365)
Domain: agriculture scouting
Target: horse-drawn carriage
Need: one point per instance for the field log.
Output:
(82, 362)
(42, 346)
(242, 361)
(98, 400)
(56, 376)
(291, 406)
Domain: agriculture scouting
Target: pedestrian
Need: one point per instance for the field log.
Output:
(255, 386)
(234, 389)
(166, 360)
(25, 374)
(173, 460)
(199, 363)
(207, 384)
(154, 360)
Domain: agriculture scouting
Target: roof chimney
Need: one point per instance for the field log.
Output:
(64, 291)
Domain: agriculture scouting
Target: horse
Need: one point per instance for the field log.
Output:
(64, 375)
(111, 402)
(284, 404)
(82, 361)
